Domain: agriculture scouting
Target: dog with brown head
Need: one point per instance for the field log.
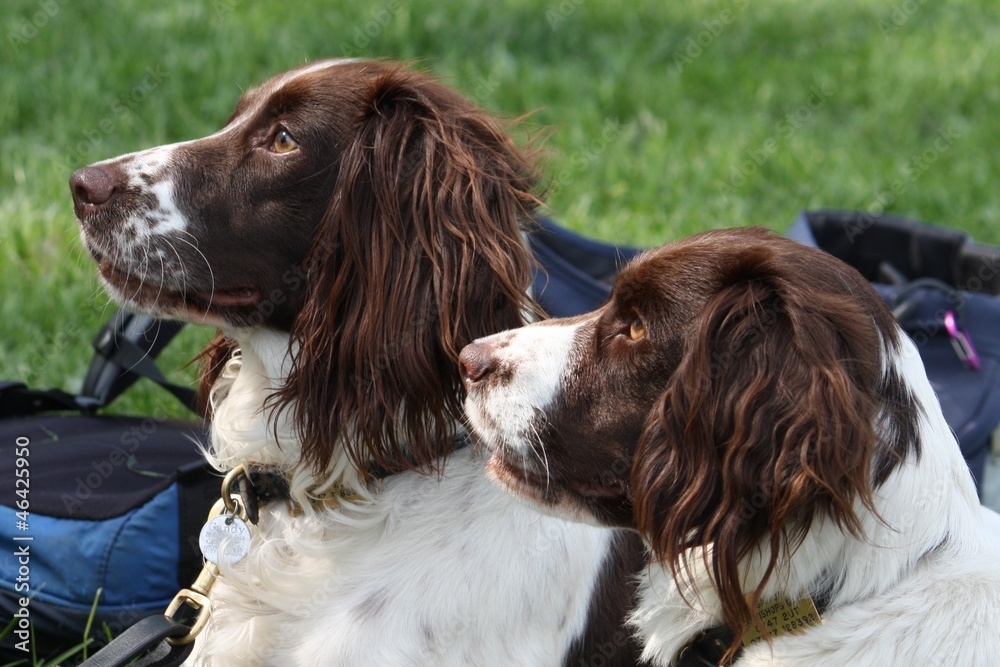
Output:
(751, 407)
(351, 227)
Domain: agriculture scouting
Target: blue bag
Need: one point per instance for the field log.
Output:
(943, 289)
(91, 502)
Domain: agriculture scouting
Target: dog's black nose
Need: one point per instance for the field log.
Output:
(92, 186)
(475, 362)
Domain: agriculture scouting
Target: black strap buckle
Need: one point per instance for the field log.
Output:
(706, 649)
(125, 348)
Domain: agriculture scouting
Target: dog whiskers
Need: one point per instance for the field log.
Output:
(536, 443)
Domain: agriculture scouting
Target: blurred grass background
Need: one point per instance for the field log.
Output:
(667, 118)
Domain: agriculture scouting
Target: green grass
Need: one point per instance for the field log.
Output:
(76, 653)
(667, 118)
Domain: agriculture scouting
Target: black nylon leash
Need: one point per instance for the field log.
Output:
(146, 640)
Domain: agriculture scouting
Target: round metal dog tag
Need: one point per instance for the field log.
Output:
(225, 539)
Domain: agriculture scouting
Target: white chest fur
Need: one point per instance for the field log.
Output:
(432, 570)
(448, 571)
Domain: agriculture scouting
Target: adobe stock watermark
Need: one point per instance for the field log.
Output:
(986, 275)
(378, 20)
(27, 28)
(929, 329)
(712, 29)
(755, 503)
(440, 638)
(32, 366)
(557, 15)
(605, 653)
(93, 478)
(22, 543)
(483, 90)
(796, 119)
(582, 159)
(223, 7)
(900, 15)
(912, 169)
(418, 326)
(119, 108)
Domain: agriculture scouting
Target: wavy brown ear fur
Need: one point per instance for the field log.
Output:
(420, 252)
(775, 398)
(212, 360)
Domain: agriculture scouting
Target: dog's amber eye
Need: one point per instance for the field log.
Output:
(283, 142)
(637, 330)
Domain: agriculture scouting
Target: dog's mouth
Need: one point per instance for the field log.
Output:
(190, 303)
(590, 501)
(516, 478)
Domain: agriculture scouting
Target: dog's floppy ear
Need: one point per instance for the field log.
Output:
(212, 360)
(420, 253)
(768, 421)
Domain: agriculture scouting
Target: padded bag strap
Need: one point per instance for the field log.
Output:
(16, 400)
(125, 348)
(124, 351)
(870, 241)
(148, 635)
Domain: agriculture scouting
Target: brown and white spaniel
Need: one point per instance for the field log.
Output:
(350, 228)
(752, 408)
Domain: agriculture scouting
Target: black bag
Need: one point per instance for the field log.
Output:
(94, 503)
(943, 289)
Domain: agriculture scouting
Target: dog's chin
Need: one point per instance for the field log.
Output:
(547, 495)
(215, 307)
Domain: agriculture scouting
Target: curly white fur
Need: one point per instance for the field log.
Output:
(444, 571)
